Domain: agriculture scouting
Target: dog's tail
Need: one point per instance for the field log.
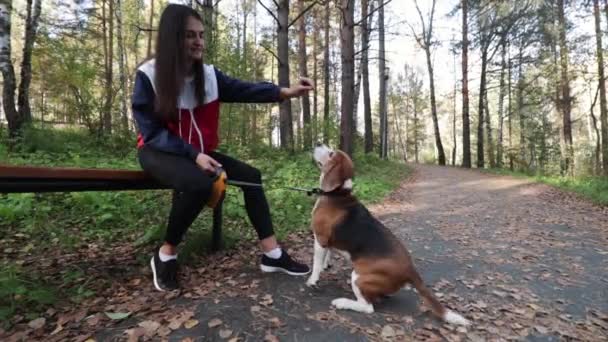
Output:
(438, 309)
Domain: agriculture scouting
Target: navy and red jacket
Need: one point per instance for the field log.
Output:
(196, 129)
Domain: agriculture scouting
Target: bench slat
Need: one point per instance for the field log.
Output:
(11, 171)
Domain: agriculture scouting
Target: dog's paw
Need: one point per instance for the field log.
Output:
(349, 304)
(341, 303)
(312, 282)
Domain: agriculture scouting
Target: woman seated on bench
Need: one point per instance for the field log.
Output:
(176, 102)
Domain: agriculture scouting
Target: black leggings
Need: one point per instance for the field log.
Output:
(192, 187)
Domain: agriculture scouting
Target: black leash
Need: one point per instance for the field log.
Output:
(309, 192)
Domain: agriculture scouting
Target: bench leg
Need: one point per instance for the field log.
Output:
(216, 239)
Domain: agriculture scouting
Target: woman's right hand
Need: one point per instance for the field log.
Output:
(207, 163)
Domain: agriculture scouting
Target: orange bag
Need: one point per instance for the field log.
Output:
(219, 188)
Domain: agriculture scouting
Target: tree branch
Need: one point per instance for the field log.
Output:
(372, 12)
(271, 52)
(301, 14)
(269, 11)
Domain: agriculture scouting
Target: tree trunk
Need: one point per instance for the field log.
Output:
(14, 119)
(488, 120)
(602, 85)
(382, 84)
(122, 69)
(209, 34)
(510, 108)
(501, 98)
(520, 109)
(367, 110)
(466, 135)
(347, 36)
(480, 108)
(151, 27)
(598, 167)
(286, 121)
(304, 72)
(108, 43)
(31, 27)
(566, 100)
(438, 144)
(315, 79)
(245, 115)
(455, 144)
(326, 77)
(416, 124)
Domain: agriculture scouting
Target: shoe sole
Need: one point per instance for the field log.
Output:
(272, 269)
(154, 276)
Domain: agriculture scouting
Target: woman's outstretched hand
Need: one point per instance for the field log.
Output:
(303, 86)
(207, 163)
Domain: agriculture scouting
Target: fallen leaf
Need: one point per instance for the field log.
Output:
(266, 300)
(387, 332)
(164, 331)
(214, 323)
(117, 315)
(225, 333)
(270, 338)
(276, 322)
(150, 327)
(37, 323)
(135, 333)
(541, 329)
(57, 330)
(191, 323)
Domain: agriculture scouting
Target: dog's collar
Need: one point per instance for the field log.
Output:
(337, 192)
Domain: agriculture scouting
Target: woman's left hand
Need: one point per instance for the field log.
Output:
(303, 86)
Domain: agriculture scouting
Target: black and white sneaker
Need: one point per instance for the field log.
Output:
(283, 264)
(164, 273)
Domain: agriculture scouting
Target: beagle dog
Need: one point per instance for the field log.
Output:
(382, 265)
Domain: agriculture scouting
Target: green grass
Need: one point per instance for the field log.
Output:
(594, 189)
(36, 224)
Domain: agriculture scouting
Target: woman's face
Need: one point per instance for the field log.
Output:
(194, 43)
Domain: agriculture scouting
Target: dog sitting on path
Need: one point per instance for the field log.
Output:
(382, 265)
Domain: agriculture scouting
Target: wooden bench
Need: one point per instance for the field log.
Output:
(25, 179)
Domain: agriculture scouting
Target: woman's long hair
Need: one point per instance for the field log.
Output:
(170, 68)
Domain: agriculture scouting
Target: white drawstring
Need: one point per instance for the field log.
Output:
(200, 135)
(179, 124)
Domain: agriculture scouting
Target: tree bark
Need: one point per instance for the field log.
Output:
(602, 85)
(382, 84)
(31, 27)
(108, 42)
(14, 119)
(466, 135)
(488, 121)
(315, 78)
(480, 108)
(347, 25)
(566, 100)
(122, 68)
(307, 141)
(151, 27)
(326, 77)
(501, 97)
(367, 110)
(286, 120)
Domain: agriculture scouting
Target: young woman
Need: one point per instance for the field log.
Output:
(175, 103)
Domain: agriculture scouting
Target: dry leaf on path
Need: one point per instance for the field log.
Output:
(214, 323)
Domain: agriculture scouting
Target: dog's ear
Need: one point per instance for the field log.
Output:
(339, 169)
